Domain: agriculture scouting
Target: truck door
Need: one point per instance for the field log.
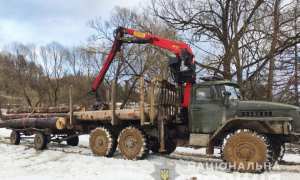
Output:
(205, 110)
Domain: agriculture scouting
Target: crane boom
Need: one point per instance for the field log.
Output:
(182, 51)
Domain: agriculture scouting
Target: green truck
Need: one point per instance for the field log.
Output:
(248, 131)
(251, 134)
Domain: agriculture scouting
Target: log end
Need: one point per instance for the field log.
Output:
(61, 123)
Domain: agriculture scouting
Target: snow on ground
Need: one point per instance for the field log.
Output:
(3, 111)
(26, 163)
(184, 150)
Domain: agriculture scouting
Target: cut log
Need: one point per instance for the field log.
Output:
(34, 115)
(122, 114)
(40, 123)
(60, 109)
(61, 123)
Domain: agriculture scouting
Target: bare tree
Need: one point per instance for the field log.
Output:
(20, 69)
(54, 61)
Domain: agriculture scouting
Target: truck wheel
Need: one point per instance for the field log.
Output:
(155, 147)
(73, 141)
(134, 143)
(247, 151)
(279, 150)
(103, 142)
(15, 137)
(40, 141)
(170, 146)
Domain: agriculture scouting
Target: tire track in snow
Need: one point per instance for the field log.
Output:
(186, 157)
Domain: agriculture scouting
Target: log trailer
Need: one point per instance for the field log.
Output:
(206, 114)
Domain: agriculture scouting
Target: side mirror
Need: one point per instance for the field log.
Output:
(226, 99)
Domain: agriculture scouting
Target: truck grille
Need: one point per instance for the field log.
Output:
(256, 113)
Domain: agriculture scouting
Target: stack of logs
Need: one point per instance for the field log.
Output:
(56, 118)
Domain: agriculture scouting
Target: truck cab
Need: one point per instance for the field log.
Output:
(207, 110)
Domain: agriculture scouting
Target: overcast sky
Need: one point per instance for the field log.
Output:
(43, 21)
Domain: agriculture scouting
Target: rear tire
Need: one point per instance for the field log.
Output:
(247, 151)
(40, 141)
(134, 143)
(170, 146)
(15, 137)
(103, 142)
(73, 141)
(279, 150)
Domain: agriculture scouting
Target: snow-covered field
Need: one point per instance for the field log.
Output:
(61, 162)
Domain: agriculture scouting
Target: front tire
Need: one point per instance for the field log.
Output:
(247, 151)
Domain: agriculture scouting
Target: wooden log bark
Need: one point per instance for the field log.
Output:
(39, 123)
(60, 109)
(121, 114)
(34, 115)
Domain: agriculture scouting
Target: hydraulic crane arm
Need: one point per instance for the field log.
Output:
(181, 50)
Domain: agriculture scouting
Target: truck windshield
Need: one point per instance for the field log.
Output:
(235, 92)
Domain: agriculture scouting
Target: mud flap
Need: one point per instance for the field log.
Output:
(161, 134)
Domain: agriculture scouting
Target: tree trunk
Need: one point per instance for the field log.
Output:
(272, 52)
(296, 78)
(296, 63)
(126, 97)
(34, 115)
(239, 68)
(41, 123)
(226, 66)
(58, 109)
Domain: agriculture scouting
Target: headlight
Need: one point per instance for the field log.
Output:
(289, 126)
